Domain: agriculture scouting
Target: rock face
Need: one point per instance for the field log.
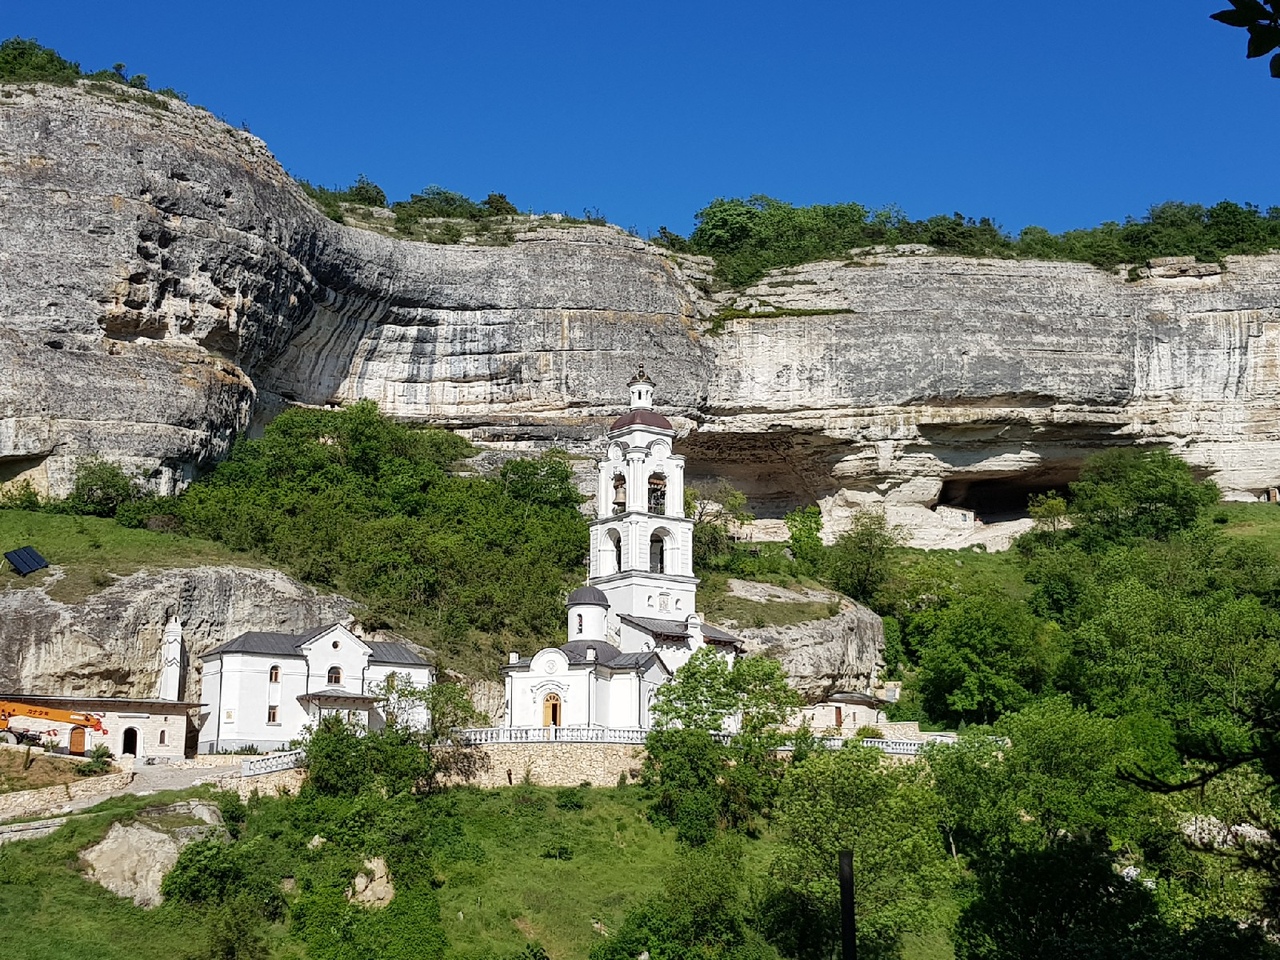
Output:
(133, 858)
(164, 284)
(372, 888)
(109, 645)
(844, 652)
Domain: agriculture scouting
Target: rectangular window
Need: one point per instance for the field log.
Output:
(271, 714)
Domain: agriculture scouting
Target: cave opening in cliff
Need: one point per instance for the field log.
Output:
(997, 499)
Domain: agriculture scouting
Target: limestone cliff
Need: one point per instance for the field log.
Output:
(163, 283)
(109, 645)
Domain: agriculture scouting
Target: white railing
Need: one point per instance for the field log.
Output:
(478, 736)
(271, 763)
(482, 735)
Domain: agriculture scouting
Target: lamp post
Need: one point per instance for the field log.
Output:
(848, 920)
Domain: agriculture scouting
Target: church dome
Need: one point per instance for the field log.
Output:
(588, 596)
(640, 415)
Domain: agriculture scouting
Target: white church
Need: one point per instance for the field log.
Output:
(635, 622)
(265, 689)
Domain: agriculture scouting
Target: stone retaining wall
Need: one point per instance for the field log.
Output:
(29, 831)
(32, 803)
(560, 764)
(266, 785)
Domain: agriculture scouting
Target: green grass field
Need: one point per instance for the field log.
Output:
(514, 867)
(91, 552)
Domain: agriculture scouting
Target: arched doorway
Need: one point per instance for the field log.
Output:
(131, 741)
(551, 706)
(76, 742)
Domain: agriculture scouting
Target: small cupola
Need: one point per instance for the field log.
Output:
(641, 390)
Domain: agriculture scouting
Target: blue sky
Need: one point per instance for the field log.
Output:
(1061, 115)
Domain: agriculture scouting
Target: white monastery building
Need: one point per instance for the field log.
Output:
(263, 689)
(635, 622)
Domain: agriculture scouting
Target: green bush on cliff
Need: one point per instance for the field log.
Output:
(26, 61)
(748, 237)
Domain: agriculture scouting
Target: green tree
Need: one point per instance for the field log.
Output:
(26, 61)
(859, 563)
(1129, 494)
(707, 694)
(804, 524)
(982, 656)
(1036, 779)
(700, 913)
(1261, 18)
(100, 489)
(715, 509)
(889, 817)
(498, 205)
(546, 481)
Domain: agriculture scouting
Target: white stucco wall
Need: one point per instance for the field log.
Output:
(238, 689)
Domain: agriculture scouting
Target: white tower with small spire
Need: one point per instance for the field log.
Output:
(641, 541)
(171, 661)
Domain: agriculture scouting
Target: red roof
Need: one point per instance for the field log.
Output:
(646, 418)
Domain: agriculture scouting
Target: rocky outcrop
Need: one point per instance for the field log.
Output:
(372, 888)
(839, 653)
(163, 283)
(109, 645)
(133, 858)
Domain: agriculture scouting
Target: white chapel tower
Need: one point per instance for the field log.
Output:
(634, 623)
(641, 593)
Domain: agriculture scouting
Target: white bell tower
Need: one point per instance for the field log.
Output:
(641, 541)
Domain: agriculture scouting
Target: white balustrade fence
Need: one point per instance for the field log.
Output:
(478, 736)
(271, 763)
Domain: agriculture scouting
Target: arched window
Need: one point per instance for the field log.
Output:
(551, 710)
(579, 623)
(658, 494)
(619, 494)
(335, 676)
(657, 554)
(163, 738)
(617, 551)
(274, 675)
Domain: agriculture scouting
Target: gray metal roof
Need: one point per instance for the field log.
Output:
(285, 645)
(588, 595)
(630, 661)
(715, 635)
(269, 644)
(666, 628)
(576, 651)
(397, 653)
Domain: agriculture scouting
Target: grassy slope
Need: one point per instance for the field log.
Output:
(91, 550)
(510, 892)
(45, 771)
(48, 911)
(499, 891)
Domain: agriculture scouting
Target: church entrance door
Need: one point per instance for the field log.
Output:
(551, 710)
(76, 744)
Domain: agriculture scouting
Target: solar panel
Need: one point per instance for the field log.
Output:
(25, 560)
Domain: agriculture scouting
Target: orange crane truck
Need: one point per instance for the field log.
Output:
(16, 708)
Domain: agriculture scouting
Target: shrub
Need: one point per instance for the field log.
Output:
(24, 61)
(99, 762)
(571, 798)
(868, 732)
(100, 489)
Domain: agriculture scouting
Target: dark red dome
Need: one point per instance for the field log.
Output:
(643, 417)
